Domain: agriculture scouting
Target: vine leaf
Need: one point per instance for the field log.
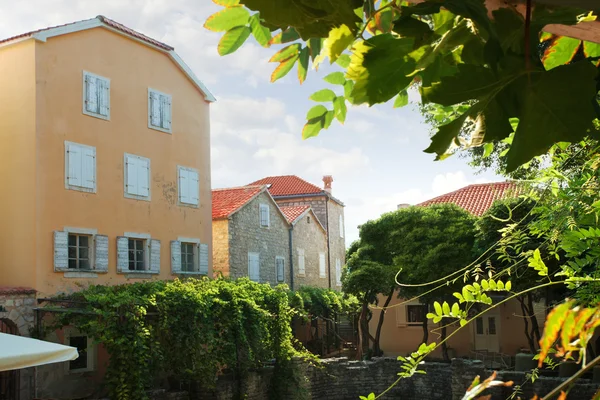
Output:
(303, 60)
(261, 33)
(537, 263)
(286, 52)
(340, 109)
(335, 78)
(318, 118)
(552, 327)
(323, 95)
(233, 39)
(227, 3)
(283, 68)
(286, 36)
(227, 19)
(338, 40)
(401, 99)
(561, 51)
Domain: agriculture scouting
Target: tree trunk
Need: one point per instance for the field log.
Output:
(425, 324)
(363, 331)
(376, 349)
(444, 344)
(535, 327)
(525, 317)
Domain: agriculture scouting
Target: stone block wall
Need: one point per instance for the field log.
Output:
(220, 229)
(310, 236)
(337, 242)
(246, 235)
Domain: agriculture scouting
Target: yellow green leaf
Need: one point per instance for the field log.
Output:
(303, 64)
(335, 78)
(286, 52)
(552, 327)
(323, 95)
(316, 111)
(340, 109)
(227, 19)
(455, 309)
(343, 60)
(283, 68)
(289, 35)
(438, 308)
(463, 322)
(401, 99)
(446, 308)
(560, 52)
(233, 39)
(338, 40)
(261, 33)
(227, 3)
(508, 286)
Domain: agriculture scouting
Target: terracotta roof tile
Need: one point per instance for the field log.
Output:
(106, 21)
(227, 201)
(477, 198)
(293, 212)
(288, 185)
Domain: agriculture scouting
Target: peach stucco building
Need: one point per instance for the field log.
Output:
(105, 163)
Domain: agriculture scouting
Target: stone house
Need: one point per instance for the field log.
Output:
(250, 235)
(109, 132)
(290, 190)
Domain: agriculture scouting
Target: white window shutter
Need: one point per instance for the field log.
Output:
(301, 267)
(61, 251)
(183, 186)
(165, 102)
(193, 187)
(155, 255)
(91, 94)
(338, 272)
(280, 264)
(88, 167)
(122, 254)
(322, 273)
(143, 177)
(254, 266)
(74, 157)
(104, 96)
(203, 256)
(341, 226)
(175, 256)
(132, 174)
(155, 109)
(101, 253)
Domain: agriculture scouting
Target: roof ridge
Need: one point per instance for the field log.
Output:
(239, 187)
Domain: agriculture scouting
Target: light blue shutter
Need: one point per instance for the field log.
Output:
(74, 157)
(143, 177)
(184, 186)
(155, 109)
(175, 256)
(88, 167)
(101, 253)
(165, 102)
(132, 175)
(61, 251)
(104, 96)
(122, 254)
(91, 94)
(203, 250)
(280, 269)
(155, 256)
(193, 187)
(254, 266)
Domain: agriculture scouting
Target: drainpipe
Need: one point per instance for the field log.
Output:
(291, 241)
(328, 249)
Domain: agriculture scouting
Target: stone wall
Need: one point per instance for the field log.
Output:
(309, 235)
(337, 242)
(246, 235)
(220, 230)
(317, 203)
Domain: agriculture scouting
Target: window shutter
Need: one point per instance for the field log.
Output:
(132, 181)
(101, 253)
(341, 226)
(183, 186)
(193, 187)
(301, 267)
(88, 167)
(143, 177)
(280, 269)
(155, 109)
(338, 272)
(175, 256)
(122, 254)
(322, 265)
(91, 94)
(203, 252)
(254, 266)
(155, 256)
(165, 102)
(104, 96)
(74, 156)
(61, 251)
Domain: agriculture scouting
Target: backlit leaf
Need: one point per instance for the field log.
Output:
(227, 3)
(338, 40)
(303, 60)
(283, 68)
(335, 78)
(348, 86)
(560, 52)
(508, 286)
(463, 322)
(286, 52)
(552, 327)
(343, 61)
(316, 111)
(315, 46)
(401, 99)
(446, 308)
(455, 309)
(261, 33)
(227, 19)
(340, 109)
(233, 39)
(289, 35)
(323, 95)
(438, 308)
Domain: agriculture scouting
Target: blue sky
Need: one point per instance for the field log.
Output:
(376, 158)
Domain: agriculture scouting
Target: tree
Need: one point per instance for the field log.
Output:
(458, 54)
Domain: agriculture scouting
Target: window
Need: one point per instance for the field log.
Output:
(492, 325)
(79, 251)
(341, 226)
(415, 314)
(81, 344)
(338, 272)
(322, 273)
(188, 257)
(96, 96)
(80, 167)
(188, 186)
(264, 215)
(479, 326)
(254, 266)
(137, 177)
(137, 254)
(159, 111)
(308, 220)
(280, 265)
(301, 267)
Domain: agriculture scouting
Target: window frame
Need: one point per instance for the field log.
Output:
(84, 109)
(196, 243)
(159, 128)
(277, 260)
(261, 208)
(69, 186)
(90, 351)
(78, 247)
(147, 239)
(91, 246)
(179, 202)
(422, 311)
(126, 176)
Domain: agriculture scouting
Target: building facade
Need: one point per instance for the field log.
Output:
(106, 162)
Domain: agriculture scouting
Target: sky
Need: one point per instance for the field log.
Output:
(376, 158)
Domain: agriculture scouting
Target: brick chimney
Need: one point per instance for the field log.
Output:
(327, 179)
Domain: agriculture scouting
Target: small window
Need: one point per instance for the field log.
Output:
(308, 220)
(492, 325)
(264, 215)
(159, 111)
(415, 314)
(479, 326)
(80, 167)
(81, 344)
(280, 264)
(188, 186)
(79, 251)
(137, 254)
(137, 177)
(301, 266)
(338, 272)
(322, 272)
(341, 226)
(189, 257)
(96, 96)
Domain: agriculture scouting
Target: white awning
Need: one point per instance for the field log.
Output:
(18, 352)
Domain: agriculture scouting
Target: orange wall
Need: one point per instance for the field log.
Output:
(131, 68)
(17, 158)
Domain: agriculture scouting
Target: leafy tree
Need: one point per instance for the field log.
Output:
(460, 54)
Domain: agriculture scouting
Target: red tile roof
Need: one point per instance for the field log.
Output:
(292, 213)
(227, 201)
(107, 21)
(477, 198)
(288, 185)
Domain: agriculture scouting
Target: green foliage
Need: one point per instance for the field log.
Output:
(191, 330)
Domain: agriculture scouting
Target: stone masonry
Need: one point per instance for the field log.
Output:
(220, 229)
(308, 234)
(246, 235)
